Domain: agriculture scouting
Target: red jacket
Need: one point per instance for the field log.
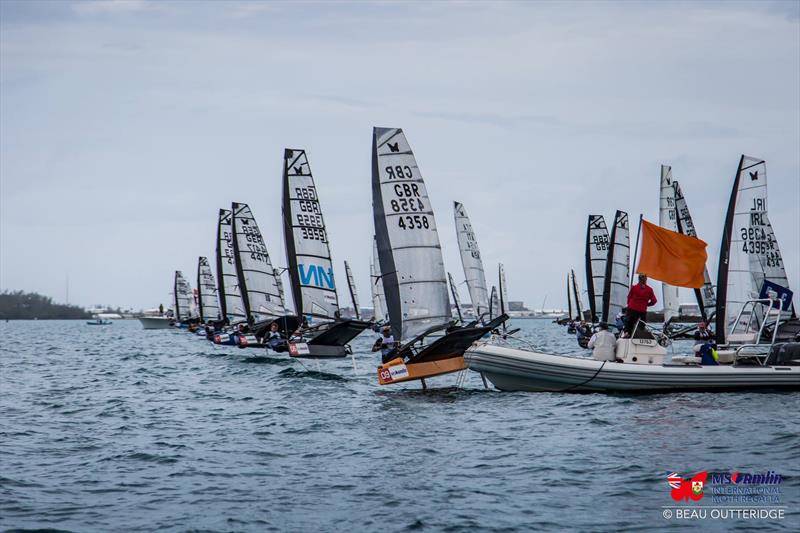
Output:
(641, 297)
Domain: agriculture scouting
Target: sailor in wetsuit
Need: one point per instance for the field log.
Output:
(275, 340)
(386, 344)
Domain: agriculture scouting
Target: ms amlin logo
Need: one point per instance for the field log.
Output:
(733, 496)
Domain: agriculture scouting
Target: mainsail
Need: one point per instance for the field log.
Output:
(409, 251)
(503, 292)
(183, 302)
(596, 256)
(376, 285)
(257, 282)
(740, 247)
(279, 283)
(230, 299)
(207, 292)
(353, 294)
(307, 250)
(668, 219)
(471, 261)
(705, 296)
(456, 297)
(615, 292)
(494, 303)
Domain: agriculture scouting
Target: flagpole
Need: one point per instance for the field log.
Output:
(636, 248)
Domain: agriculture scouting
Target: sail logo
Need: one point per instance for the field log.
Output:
(322, 277)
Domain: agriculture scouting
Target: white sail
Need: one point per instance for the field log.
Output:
(408, 244)
(471, 261)
(456, 297)
(750, 206)
(257, 282)
(376, 285)
(686, 226)
(668, 219)
(228, 280)
(617, 279)
(596, 256)
(208, 305)
(307, 250)
(184, 301)
(353, 294)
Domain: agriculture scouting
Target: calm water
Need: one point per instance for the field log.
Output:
(119, 429)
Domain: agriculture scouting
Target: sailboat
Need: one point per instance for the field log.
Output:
(351, 284)
(257, 283)
(754, 301)
(324, 333)
(456, 297)
(617, 275)
(230, 298)
(183, 302)
(597, 246)
(668, 219)
(471, 261)
(207, 302)
(412, 267)
(376, 287)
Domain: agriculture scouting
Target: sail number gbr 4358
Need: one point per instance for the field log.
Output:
(407, 201)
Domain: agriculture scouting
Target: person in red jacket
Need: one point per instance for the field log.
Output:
(640, 297)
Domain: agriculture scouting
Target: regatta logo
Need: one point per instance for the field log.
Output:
(742, 478)
(686, 489)
(322, 277)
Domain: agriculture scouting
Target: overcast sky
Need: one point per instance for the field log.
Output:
(125, 126)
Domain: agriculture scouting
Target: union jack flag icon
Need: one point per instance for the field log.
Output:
(674, 480)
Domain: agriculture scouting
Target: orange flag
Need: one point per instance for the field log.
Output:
(671, 257)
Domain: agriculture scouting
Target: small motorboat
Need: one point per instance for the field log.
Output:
(98, 322)
(644, 367)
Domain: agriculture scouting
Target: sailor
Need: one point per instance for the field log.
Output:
(603, 344)
(640, 297)
(619, 320)
(701, 334)
(386, 344)
(707, 352)
(160, 309)
(274, 339)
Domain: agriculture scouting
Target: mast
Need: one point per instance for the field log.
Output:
(576, 293)
(596, 257)
(353, 294)
(409, 251)
(307, 251)
(569, 296)
(503, 291)
(615, 290)
(175, 295)
(471, 260)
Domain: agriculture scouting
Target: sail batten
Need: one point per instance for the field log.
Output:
(407, 241)
(307, 249)
(471, 260)
(256, 275)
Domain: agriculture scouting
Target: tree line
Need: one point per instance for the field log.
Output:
(20, 305)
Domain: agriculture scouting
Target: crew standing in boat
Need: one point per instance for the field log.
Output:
(640, 297)
(386, 344)
(603, 344)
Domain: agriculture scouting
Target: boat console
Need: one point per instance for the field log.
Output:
(641, 348)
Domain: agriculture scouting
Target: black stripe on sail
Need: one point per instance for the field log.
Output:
(724, 260)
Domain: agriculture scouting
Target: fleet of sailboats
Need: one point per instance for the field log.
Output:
(425, 336)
